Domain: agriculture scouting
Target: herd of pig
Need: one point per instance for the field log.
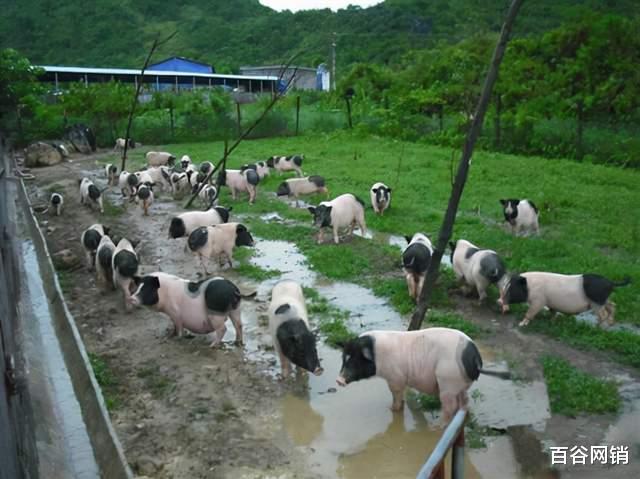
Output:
(439, 361)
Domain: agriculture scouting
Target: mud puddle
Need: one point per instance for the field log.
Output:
(351, 432)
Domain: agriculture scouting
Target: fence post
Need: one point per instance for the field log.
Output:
(348, 100)
(457, 457)
(297, 114)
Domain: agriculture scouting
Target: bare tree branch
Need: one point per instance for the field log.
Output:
(463, 168)
(156, 43)
(223, 161)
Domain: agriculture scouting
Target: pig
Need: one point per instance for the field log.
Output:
(144, 196)
(123, 184)
(205, 168)
(160, 158)
(90, 194)
(286, 163)
(90, 240)
(568, 294)
(180, 184)
(302, 186)
(218, 241)
(522, 215)
(55, 204)
(208, 195)
(416, 258)
(289, 328)
(344, 211)
(185, 161)
(240, 181)
(436, 361)
(158, 176)
(259, 167)
(104, 258)
(201, 307)
(477, 267)
(121, 142)
(124, 265)
(183, 224)
(380, 198)
(111, 172)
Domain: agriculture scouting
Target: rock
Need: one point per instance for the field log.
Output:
(41, 154)
(81, 137)
(65, 259)
(147, 466)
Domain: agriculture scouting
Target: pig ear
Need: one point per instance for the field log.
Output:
(340, 344)
(134, 243)
(503, 202)
(452, 245)
(389, 190)
(367, 353)
(375, 190)
(408, 238)
(312, 210)
(137, 280)
(241, 228)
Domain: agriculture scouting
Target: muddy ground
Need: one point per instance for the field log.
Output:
(183, 410)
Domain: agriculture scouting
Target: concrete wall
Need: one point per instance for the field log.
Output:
(106, 445)
(304, 79)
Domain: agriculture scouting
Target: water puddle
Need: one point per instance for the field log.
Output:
(49, 362)
(591, 318)
(351, 432)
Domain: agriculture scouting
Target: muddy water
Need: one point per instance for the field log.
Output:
(350, 432)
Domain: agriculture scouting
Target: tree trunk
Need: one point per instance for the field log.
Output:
(238, 119)
(171, 120)
(496, 124)
(349, 111)
(463, 169)
(579, 129)
(440, 117)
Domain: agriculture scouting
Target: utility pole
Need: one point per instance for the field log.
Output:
(333, 63)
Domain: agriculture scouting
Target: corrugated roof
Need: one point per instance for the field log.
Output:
(125, 71)
(181, 58)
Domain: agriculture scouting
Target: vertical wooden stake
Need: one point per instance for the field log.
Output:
(297, 114)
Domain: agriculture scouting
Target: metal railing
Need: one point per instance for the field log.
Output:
(452, 438)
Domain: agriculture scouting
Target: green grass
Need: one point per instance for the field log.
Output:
(106, 380)
(427, 402)
(572, 392)
(110, 209)
(622, 346)
(255, 272)
(330, 319)
(586, 223)
(55, 188)
(65, 279)
(448, 319)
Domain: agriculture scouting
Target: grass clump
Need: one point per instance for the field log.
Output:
(331, 320)
(157, 383)
(255, 272)
(55, 188)
(428, 402)
(110, 209)
(624, 346)
(106, 380)
(572, 391)
(454, 321)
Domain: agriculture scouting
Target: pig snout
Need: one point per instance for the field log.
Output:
(504, 307)
(318, 371)
(341, 381)
(133, 300)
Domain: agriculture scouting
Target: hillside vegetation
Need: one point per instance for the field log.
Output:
(229, 34)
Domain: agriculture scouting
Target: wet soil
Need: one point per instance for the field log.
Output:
(183, 410)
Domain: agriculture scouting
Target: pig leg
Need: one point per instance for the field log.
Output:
(336, 237)
(89, 257)
(534, 308)
(219, 329)
(481, 286)
(233, 193)
(397, 391)
(203, 262)
(411, 285)
(421, 279)
(361, 224)
(236, 320)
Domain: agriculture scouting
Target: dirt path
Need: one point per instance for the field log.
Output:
(184, 411)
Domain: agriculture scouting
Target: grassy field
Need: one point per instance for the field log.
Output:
(590, 221)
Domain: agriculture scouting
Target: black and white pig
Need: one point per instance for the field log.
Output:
(286, 163)
(562, 293)
(55, 204)
(183, 224)
(185, 161)
(380, 197)
(104, 260)
(342, 212)
(240, 181)
(297, 187)
(522, 215)
(90, 240)
(111, 172)
(90, 194)
(144, 197)
(477, 267)
(200, 307)
(259, 167)
(289, 328)
(218, 242)
(435, 361)
(180, 184)
(160, 158)
(124, 266)
(205, 168)
(416, 258)
(208, 194)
